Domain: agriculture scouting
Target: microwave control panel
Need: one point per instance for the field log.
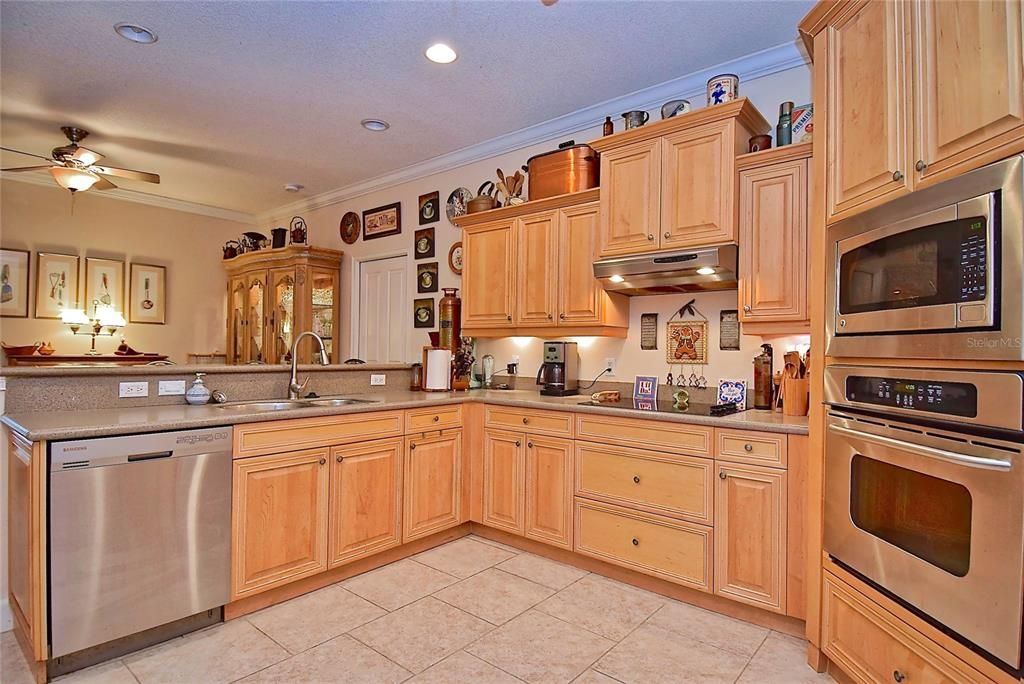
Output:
(949, 398)
(973, 260)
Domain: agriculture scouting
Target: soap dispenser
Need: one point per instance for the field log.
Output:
(198, 394)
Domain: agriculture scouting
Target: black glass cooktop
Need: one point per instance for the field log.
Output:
(661, 406)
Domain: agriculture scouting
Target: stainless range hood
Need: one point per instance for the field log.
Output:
(685, 270)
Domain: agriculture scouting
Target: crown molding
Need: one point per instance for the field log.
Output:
(757, 65)
(143, 198)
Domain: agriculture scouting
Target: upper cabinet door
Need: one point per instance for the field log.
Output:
(281, 315)
(538, 269)
(489, 275)
(970, 85)
(630, 198)
(697, 184)
(237, 296)
(579, 293)
(866, 104)
(773, 232)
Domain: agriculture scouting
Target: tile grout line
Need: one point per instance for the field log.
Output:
(752, 656)
(593, 665)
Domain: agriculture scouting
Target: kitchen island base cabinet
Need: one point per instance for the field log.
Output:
(366, 499)
(279, 519)
(432, 489)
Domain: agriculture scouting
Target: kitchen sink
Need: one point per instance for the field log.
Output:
(338, 401)
(269, 405)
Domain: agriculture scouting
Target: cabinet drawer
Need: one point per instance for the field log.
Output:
(744, 446)
(673, 550)
(557, 423)
(307, 433)
(871, 645)
(675, 437)
(433, 418)
(672, 485)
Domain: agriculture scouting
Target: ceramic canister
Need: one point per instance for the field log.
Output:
(723, 88)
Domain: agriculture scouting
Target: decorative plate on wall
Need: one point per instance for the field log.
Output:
(349, 227)
(457, 202)
(455, 258)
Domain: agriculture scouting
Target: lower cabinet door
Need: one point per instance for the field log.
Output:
(278, 520)
(549, 464)
(366, 499)
(750, 535)
(432, 496)
(503, 480)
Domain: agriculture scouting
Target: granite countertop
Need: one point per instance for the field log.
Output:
(56, 425)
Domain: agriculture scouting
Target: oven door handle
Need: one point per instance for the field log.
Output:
(928, 452)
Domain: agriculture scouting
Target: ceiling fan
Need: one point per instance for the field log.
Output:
(75, 167)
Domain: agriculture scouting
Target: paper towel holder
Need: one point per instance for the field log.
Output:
(431, 381)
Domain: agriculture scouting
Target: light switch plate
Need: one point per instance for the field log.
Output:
(610, 364)
(377, 379)
(133, 389)
(169, 388)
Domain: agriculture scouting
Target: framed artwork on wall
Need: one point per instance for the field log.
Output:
(424, 245)
(56, 284)
(430, 208)
(147, 299)
(455, 258)
(15, 265)
(423, 313)
(104, 283)
(426, 277)
(382, 221)
(687, 342)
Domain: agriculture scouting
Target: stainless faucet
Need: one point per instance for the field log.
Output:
(295, 389)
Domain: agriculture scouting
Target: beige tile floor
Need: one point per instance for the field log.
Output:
(471, 611)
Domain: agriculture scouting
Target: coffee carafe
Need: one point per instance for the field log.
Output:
(559, 374)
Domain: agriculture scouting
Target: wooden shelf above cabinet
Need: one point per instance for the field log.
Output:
(515, 211)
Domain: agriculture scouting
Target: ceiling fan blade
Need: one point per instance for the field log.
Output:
(126, 173)
(27, 154)
(24, 168)
(103, 184)
(86, 156)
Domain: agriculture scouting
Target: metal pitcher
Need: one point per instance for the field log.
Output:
(635, 118)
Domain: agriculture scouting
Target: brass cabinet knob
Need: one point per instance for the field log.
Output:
(721, 474)
(920, 165)
(509, 318)
(636, 542)
(748, 447)
(650, 236)
(746, 308)
(550, 317)
(898, 676)
(412, 446)
(518, 443)
(667, 235)
(337, 458)
(529, 444)
(897, 175)
(526, 421)
(323, 461)
(636, 479)
(562, 316)
(437, 418)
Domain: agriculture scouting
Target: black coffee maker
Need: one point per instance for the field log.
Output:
(559, 374)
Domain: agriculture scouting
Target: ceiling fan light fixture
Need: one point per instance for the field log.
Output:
(135, 33)
(75, 180)
(439, 53)
(375, 124)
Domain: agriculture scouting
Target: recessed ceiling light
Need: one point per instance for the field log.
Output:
(135, 33)
(375, 124)
(441, 54)
(706, 270)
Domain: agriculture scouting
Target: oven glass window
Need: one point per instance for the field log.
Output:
(944, 263)
(923, 515)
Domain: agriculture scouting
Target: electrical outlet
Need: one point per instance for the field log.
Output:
(512, 368)
(609, 364)
(377, 379)
(168, 388)
(133, 389)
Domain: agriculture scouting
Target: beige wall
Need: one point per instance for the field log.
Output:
(42, 219)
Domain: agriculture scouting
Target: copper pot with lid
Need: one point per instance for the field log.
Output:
(570, 168)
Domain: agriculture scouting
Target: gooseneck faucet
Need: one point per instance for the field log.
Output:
(295, 389)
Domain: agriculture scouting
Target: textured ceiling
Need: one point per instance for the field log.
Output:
(238, 98)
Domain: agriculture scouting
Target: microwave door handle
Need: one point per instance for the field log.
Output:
(928, 452)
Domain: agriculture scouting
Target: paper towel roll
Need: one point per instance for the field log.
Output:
(438, 375)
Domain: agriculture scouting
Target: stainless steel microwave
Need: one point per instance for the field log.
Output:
(937, 274)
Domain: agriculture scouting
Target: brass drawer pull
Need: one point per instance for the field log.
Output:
(518, 443)
(748, 447)
(920, 165)
(650, 236)
(526, 421)
(667, 235)
(897, 175)
(898, 676)
(337, 458)
(323, 461)
(636, 542)
(721, 475)
(636, 479)
(529, 444)
(437, 418)
(412, 446)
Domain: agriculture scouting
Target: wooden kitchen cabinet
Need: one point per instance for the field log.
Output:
(549, 487)
(26, 540)
(969, 85)
(750, 535)
(672, 184)
(504, 469)
(279, 519)
(773, 270)
(365, 499)
(489, 276)
(537, 302)
(432, 487)
(581, 299)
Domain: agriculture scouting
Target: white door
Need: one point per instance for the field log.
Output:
(382, 308)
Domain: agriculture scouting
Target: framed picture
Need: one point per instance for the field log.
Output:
(56, 284)
(423, 313)
(382, 221)
(455, 258)
(687, 342)
(15, 265)
(430, 208)
(104, 283)
(426, 277)
(424, 245)
(147, 299)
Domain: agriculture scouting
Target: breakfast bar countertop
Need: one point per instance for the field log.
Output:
(78, 424)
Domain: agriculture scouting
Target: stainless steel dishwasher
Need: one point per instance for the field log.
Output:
(140, 535)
